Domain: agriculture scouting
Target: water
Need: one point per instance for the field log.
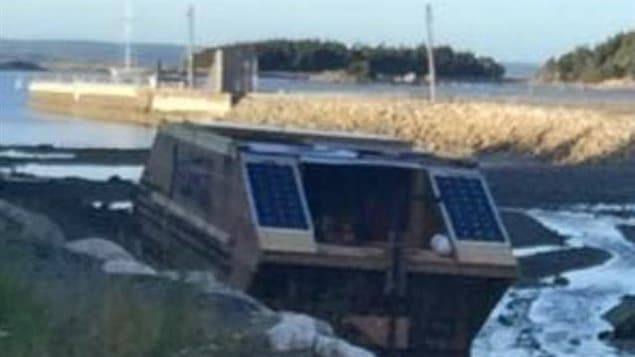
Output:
(567, 320)
(20, 125)
(520, 91)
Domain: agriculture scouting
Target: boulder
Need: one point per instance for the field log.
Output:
(622, 317)
(297, 332)
(34, 226)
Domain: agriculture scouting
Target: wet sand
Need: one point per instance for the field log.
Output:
(553, 186)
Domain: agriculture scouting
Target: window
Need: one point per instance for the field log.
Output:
(357, 204)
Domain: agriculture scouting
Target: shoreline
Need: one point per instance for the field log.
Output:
(604, 85)
(341, 77)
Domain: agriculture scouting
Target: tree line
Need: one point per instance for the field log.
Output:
(613, 59)
(368, 62)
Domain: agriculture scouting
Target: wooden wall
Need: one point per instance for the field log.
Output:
(209, 186)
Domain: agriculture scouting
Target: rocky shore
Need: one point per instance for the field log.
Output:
(72, 282)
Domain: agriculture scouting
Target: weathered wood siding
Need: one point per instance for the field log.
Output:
(208, 185)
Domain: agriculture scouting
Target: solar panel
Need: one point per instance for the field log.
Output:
(276, 195)
(469, 209)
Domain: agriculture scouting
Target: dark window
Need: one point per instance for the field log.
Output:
(354, 205)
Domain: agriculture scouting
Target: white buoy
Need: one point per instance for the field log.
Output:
(441, 245)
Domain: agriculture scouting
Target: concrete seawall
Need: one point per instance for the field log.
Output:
(177, 101)
(127, 102)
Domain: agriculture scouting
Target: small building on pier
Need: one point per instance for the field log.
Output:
(232, 69)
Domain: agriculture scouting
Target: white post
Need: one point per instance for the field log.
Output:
(432, 71)
(191, 12)
(254, 81)
(128, 36)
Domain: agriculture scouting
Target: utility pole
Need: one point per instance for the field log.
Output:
(129, 16)
(432, 71)
(191, 17)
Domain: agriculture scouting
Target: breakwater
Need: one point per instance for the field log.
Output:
(126, 102)
(561, 134)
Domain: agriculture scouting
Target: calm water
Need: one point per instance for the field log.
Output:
(512, 91)
(20, 125)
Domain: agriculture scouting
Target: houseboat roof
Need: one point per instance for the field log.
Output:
(315, 144)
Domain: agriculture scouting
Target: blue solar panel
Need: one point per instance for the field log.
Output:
(276, 196)
(469, 209)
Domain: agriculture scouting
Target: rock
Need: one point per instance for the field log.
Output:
(34, 226)
(622, 318)
(605, 335)
(505, 320)
(294, 332)
(89, 261)
(127, 267)
(560, 281)
(99, 249)
(207, 282)
(334, 347)
(297, 332)
(116, 260)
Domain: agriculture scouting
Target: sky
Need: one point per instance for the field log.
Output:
(512, 31)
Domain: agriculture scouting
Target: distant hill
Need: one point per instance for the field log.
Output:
(368, 62)
(612, 60)
(55, 52)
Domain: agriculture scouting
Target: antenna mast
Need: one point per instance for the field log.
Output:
(128, 35)
(191, 17)
(432, 72)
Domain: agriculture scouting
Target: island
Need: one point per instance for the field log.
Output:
(336, 61)
(612, 61)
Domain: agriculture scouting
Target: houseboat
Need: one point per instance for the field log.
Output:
(402, 251)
